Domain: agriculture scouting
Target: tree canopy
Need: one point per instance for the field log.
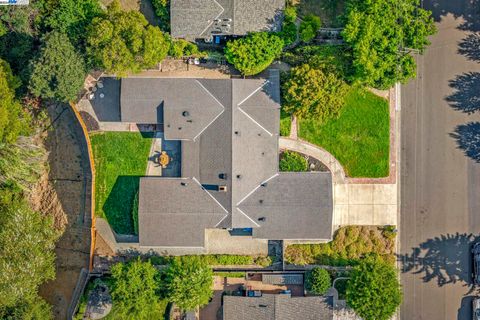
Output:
(72, 17)
(133, 290)
(27, 240)
(381, 34)
(122, 41)
(373, 290)
(59, 71)
(318, 280)
(13, 121)
(309, 27)
(313, 93)
(188, 282)
(254, 53)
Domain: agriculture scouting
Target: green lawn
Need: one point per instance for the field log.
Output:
(120, 161)
(285, 124)
(358, 138)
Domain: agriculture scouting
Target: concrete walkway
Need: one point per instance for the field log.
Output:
(354, 203)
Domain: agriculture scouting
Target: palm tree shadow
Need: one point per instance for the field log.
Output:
(466, 97)
(468, 139)
(445, 259)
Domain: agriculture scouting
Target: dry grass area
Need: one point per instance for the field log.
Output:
(126, 5)
(348, 246)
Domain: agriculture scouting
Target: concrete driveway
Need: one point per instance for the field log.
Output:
(440, 214)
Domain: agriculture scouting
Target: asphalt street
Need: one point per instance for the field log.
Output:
(440, 168)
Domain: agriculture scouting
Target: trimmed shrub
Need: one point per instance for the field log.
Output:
(309, 27)
(318, 281)
(293, 162)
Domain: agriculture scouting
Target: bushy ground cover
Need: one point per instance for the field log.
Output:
(349, 245)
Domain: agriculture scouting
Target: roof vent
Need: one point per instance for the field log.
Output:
(179, 128)
(185, 113)
(222, 188)
(190, 120)
(264, 184)
(222, 176)
(183, 183)
(239, 176)
(261, 200)
(237, 133)
(262, 219)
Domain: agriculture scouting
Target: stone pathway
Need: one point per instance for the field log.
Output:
(153, 167)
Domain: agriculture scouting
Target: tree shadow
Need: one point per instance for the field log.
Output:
(119, 204)
(445, 259)
(469, 47)
(468, 139)
(468, 10)
(466, 97)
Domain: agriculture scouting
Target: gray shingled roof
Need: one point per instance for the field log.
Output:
(276, 307)
(232, 130)
(192, 19)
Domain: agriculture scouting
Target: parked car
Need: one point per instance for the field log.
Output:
(476, 263)
(476, 309)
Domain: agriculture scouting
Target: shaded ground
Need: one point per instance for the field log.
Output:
(329, 11)
(69, 176)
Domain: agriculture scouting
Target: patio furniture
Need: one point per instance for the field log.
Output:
(164, 159)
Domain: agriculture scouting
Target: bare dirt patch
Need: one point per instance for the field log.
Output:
(63, 191)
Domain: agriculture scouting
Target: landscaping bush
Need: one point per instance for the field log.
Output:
(293, 162)
(312, 93)
(182, 48)
(230, 274)
(290, 14)
(288, 33)
(309, 27)
(373, 290)
(135, 213)
(216, 259)
(254, 53)
(349, 245)
(263, 261)
(318, 281)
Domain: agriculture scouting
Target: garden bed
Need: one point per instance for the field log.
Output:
(348, 246)
(359, 138)
(120, 160)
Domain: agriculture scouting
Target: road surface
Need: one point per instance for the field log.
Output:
(440, 173)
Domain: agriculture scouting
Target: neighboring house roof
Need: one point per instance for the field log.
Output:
(192, 19)
(276, 307)
(229, 132)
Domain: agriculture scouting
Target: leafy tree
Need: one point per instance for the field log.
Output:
(254, 53)
(313, 93)
(293, 162)
(318, 281)
(133, 290)
(72, 17)
(290, 14)
(188, 283)
(27, 240)
(381, 34)
(122, 42)
(309, 27)
(373, 290)
(162, 10)
(58, 72)
(182, 48)
(29, 308)
(13, 121)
